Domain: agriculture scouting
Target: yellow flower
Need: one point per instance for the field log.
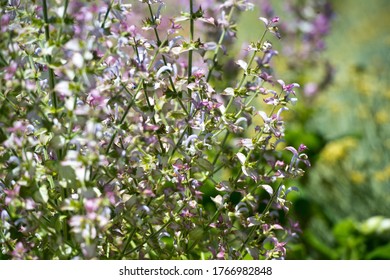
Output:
(383, 175)
(356, 177)
(381, 117)
(337, 150)
(386, 94)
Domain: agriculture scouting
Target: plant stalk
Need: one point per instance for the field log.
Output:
(49, 59)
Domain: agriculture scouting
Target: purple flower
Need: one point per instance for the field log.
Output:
(302, 148)
(288, 88)
(91, 205)
(267, 56)
(10, 71)
(275, 20)
(221, 253)
(95, 98)
(174, 27)
(30, 204)
(311, 89)
(4, 22)
(138, 128)
(321, 25)
(270, 24)
(186, 213)
(19, 251)
(298, 156)
(274, 123)
(279, 163)
(266, 77)
(11, 194)
(278, 249)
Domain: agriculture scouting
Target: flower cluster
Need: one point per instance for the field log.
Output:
(123, 138)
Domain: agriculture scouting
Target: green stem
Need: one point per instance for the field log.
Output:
(10, 247)
(190, 51)
(221, 149)
(244, 74)
(147, 99)
(243, 78)
(154, 24)
(132, 100)
(153, 118)
(45, 17)
(189, 74)
(239, 85)
(150, 236)
(106, 15)
(255, 228)
(43, 225)
(177, 144)
(2, 60)
(48, 59)
(127, 243)
(188, 250)
(164, 59)
(63, 20)
(246, 105)
(215, 57)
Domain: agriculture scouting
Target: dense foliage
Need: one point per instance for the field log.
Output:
(126, 133)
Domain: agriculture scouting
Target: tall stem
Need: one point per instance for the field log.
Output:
(189, 74)
(255, 228)
(163, 57)
(106, 15)
(238, 86)
(48, 59)
(63, 20)
(121, 121)
(190, 51)
(215, 57)
(147, 98)
(3, 61)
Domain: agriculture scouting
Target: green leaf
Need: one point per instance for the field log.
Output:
(183, 17)
(68, 176)
(176, 114)
(42, 195)
(205, 164)
(380, 253)
(3, 136)
(344, 230)
(167, 241)
(196, 234)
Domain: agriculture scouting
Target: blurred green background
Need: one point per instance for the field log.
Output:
(344, 202)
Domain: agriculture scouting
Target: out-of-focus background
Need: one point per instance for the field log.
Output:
(343, 116)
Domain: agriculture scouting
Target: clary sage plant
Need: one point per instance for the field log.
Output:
(130, 131)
